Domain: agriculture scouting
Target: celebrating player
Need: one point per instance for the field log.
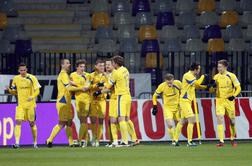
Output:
(227, 88)
(189, 83)
(170, 90)
(98, 103)
(120, 81)
(63, 103)
(26, 87)
(82, 79)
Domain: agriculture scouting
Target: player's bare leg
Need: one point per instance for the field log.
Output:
(220, 129)
(232, 132)
(34, 133)
(191, 122)
(17, 133)
(57, 128)
(69, 133)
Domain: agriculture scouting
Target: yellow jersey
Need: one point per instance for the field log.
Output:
(96, 78)
(120, 80)
(82, 80)
(112, 90)
(25, 87)
(63, 81)
(189, 84)
(169, 94)
(226, 84)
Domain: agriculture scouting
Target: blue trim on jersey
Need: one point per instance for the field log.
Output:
(190, 82)
(185, 96)
(230, 79)
(29, 78)
(13, 88)
(63, 100)
(119, 106)
(83, 76)
(66, 84)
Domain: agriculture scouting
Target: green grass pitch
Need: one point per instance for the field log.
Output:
(143, 155)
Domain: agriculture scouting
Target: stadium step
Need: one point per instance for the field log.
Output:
(46, 13)
(40, 6)
(60, 40)
(52, 33)
(52, 27)
(57, 47)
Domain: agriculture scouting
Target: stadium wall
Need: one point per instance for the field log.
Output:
(148, 127)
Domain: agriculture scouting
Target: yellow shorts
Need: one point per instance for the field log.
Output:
(113, 108)
(98, 108)
(64, 111)
(82, 108)
(25, 114)
(225, 106)
(171, 112)
(186, 108)
(123, 105)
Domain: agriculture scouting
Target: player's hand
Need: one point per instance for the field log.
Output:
(30, 99)
(100, 84)
(97, 93)
(154, 110)
(231, 98)
(85, 89)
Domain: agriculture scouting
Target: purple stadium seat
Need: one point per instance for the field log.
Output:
(211, 31)
(23, 47)
(140, 6)
(149, 46)
(164, 18)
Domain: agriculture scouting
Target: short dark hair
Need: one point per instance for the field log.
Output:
(168, 77)
(22, 65)
(194, 66)
(99, 61)
(63, 60)
(119, 60)
(80, 62)
(224, 62)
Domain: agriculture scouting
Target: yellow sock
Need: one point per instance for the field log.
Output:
(131, 130)
(17, 133)
(81, 131)
(232, 132)
(69, 135)
(34, 134)
(220, 132)
(94, 133)
(54, 132)
(113, 127)
(189, 132)
(177, 131)
(171, 133)
(124, 131)
(99, 132)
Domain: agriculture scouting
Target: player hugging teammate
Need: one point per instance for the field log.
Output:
(92, 90)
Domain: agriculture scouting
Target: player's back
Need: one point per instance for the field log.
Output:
(188, 87)
(122, 81)
(63, 80)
